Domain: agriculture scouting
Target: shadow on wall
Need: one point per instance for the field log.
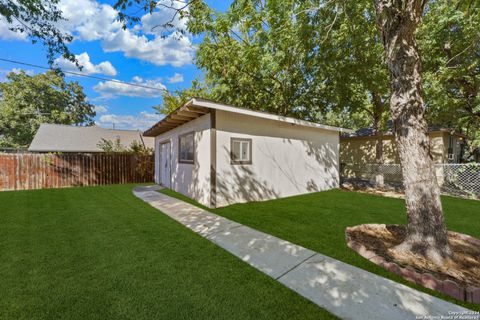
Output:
(241, 183)
(363, 151)
(186, 178)
(357, 158)
(287, 168)
(328, 157)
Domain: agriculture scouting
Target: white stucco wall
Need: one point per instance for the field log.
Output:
(192, 180)
(287, 159)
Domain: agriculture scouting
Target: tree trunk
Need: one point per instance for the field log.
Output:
(378, 109)
(426, 232)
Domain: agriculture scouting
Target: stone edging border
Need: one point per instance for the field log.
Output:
(427, 280)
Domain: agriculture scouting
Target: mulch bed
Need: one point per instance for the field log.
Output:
(459, 277)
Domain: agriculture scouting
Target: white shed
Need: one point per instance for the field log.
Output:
(219, 155)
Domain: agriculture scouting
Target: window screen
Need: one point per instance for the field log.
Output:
(186, 148)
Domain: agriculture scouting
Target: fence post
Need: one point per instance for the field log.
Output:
(440, 173)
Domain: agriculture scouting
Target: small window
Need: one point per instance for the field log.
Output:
(241, 151)
(186, 148)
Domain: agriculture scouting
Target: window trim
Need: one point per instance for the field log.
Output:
(240, 162)
(179, 148)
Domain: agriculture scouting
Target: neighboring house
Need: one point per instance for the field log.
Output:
(446, 146)
(218, 154)
(65, 138)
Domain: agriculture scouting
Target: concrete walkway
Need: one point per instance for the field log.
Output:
(344, 290)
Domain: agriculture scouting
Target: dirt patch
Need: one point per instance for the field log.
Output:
(391, 190)
(373, 241)
(367, 188)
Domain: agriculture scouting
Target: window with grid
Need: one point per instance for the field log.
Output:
(241, 151)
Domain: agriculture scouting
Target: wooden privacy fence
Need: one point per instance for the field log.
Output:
(37, 171)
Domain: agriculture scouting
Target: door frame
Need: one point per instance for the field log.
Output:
(160, 147)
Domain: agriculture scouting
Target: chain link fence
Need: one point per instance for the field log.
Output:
(461, 179)
(454, 179)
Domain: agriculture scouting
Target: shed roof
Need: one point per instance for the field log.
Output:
(198, 107)
(65, 138)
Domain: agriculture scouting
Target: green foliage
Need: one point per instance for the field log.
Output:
(173, 100)
(315, 60)
(111, 146)
(48, 159)
(323, 60)
(27, 101)
(115, 146)
(38, 19)
(449, 37)
(144, 163)
(253, 56)
(139, 149)
(349, 62)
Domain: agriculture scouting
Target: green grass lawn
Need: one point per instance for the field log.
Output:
(318, 220)
(101, 253)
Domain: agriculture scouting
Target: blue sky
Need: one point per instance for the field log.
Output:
(138, 55)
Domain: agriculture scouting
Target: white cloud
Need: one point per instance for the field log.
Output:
(88, 20)
(109, 90)
(176, 78)
(83, 59)
(7, 34)
(171, 49)
(101, 109)
(141, 121)
(159, 21)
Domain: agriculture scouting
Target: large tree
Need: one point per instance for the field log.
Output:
(324, 64)
(27, 101)
(350, 60)
(450, 34)
(426, 231)
(254, 56)
(298, 58)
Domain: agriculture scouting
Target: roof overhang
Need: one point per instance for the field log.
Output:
(198, 107)
(186, 113)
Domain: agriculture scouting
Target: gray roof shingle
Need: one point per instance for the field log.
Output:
(65, 138)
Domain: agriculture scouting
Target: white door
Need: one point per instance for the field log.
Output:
(165, 164)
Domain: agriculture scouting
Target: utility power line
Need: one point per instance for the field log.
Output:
(84, 75)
